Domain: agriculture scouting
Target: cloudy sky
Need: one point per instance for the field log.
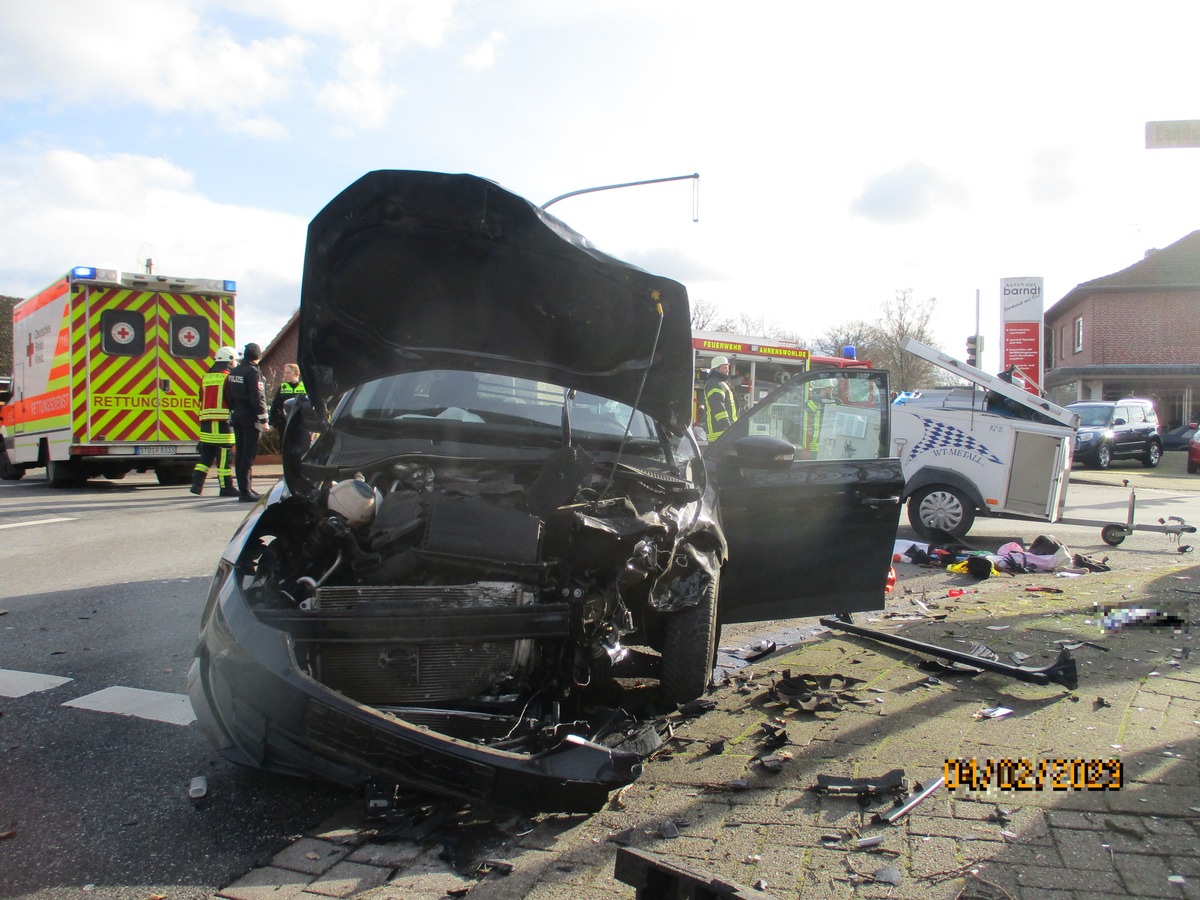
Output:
(845, 150)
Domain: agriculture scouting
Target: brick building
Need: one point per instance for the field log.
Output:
(1134, 333)
(278, 353)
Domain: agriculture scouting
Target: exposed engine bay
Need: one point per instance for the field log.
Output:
(477, 597)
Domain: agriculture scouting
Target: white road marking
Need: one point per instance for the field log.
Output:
(39, 522)
(18, 684)
(157, 706)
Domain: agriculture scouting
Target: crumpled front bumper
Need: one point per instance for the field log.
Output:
(259, 709)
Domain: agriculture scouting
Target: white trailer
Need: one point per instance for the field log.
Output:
(990, 448)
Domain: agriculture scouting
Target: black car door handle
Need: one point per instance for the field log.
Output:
(880, 502)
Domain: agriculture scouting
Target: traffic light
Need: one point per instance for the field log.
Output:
(974, 348)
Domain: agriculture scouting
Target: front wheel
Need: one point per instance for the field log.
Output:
(1153, 455)
(1192, 467)
(8, 471)
(1103, 456)
(689, 648)
(936, 509)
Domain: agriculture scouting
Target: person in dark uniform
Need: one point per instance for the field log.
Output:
(290, 387)
(248, 415)
(216, 434)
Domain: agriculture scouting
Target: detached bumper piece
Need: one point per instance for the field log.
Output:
(575, 776)
(1061, 671)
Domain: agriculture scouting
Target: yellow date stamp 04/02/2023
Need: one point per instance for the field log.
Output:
(1055, 773)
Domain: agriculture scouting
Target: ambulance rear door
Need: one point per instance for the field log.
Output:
(147, 345)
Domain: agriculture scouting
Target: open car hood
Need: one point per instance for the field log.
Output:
(408, 271)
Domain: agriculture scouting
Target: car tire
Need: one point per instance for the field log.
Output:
(689, 649)
(62, 475)
(1192, 468)
(9, 471)
(1153, 455)
(1103, 456)
(169, 476)
(940, 509)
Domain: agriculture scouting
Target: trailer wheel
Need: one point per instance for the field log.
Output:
(689, 649)
(1113, 535)
(939, 508)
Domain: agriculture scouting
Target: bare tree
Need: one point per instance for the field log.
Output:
(858, 335)
(758, 326)
(902, 317)
(704, 315)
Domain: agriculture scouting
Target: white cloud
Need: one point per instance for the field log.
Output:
(129, 52)
(907, 194)
(483, 55)
(79, 210)
(361, 95)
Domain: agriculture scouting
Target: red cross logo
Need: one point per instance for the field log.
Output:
(29, 349)
(189, 336)
(122, 333)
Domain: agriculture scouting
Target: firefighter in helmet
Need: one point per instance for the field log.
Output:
(719, 401)
(216, 434)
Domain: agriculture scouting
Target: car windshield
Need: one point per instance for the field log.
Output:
(492, 402)
(1093, 416)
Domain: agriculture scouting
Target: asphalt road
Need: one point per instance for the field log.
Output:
(101, 594)
(101, 597)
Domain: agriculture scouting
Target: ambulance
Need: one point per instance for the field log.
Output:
(106, 374)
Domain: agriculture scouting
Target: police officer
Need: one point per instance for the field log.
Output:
(290, 387)
(248, 415)
(720, 404)
(216, 434)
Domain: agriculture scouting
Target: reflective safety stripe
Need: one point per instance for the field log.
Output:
(212, 397)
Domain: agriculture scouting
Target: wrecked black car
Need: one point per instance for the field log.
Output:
(494, 506)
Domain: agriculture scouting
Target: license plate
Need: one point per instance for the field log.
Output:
(154, 450)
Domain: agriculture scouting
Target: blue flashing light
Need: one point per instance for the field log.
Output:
(849, 352)
(83, 272)
(231, 286)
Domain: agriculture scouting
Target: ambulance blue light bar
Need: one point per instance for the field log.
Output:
(231, 286)
(83, 272)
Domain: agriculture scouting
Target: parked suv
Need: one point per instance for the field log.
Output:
(1117, 429)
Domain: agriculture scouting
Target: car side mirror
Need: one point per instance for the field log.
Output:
(1117, 422)
(764, 451)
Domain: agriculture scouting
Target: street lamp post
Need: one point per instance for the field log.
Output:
(695, 176)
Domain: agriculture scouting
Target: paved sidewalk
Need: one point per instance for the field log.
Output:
(729, 814)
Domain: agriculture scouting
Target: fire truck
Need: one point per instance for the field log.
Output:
(757, 365)
(106, 374)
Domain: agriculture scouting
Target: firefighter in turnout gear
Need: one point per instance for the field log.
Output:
(720, 404)
(216, 434)
(248, 415)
